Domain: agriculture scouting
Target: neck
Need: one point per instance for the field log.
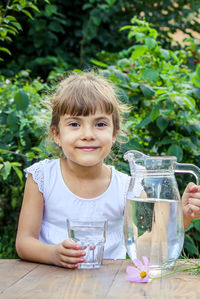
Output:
(91, 181)
(83, 172)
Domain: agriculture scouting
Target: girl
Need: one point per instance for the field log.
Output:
(85, 123)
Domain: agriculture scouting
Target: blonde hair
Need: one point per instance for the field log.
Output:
(81, 94)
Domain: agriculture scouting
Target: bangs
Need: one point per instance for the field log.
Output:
(84, 106)
(84, 97)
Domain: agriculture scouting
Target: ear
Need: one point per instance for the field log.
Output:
(55, 134)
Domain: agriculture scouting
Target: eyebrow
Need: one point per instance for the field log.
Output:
(79, 117)
(71, 117)
(102, 118)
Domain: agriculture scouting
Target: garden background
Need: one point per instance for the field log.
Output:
(131, 43)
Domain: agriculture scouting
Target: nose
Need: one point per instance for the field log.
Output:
(88, 133)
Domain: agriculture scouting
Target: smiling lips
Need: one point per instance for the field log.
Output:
(88, 148)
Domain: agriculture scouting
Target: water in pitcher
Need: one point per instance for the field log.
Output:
(154, 228)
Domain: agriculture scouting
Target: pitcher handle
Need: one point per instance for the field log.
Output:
(188, 168)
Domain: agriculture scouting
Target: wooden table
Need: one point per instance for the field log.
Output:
(20, 279)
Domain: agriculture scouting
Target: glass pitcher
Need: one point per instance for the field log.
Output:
(153, 222)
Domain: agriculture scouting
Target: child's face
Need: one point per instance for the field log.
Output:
(85, 140)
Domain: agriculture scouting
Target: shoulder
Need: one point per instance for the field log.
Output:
(120, 180)
(39, 166)
(120, 175)
(40, 171)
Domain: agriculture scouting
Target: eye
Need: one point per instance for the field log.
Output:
(101, 124)
(74, 124)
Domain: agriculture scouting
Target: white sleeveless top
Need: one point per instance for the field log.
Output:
(60, 203)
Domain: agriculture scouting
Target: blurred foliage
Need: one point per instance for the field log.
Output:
(23, 119)
(164, 98)
(159, 82)
(65, 34)
(9, 25)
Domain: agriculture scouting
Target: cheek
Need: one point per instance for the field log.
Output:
(107, 140)
(68, 140)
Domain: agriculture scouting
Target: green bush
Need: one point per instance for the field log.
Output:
(164, 98)
(164, 118)
(65, 34)
(22, 119)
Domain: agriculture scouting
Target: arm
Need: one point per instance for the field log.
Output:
(66, 254)
(191, 203)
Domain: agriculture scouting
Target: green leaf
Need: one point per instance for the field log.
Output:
(162, 124)
(99, 63)
(175, 150)
(197, 224)
(5, 171)
(5, 50)
(21, 100)
(110, 2)
(147, 90)
(150, 42)
(26, 12)
(34, 7)
(50, 10)
(56, 27)
(166, 140)
(196, 92)
(198, 70)
(145, 122)
(190, 245)
(16, 164)
(139, 52)
(161, 90)
(18, 172)
(196, 236)
(86, 6)
(96, 20)
(125, 27)
(122, 95)
(165, 53)
(134, 86)
(150, 74)
(12, 119)
(155, 112)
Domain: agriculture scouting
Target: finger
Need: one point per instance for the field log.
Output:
(70, 244)
(195, 201)
(195, 211)
(72, 260)
(74, 253)
(69, 266)
(195, 196)
(191, 187)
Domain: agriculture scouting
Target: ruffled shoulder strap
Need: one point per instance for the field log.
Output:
(37, 171)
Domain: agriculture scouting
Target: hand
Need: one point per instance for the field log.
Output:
(191, 203)
(67, 254)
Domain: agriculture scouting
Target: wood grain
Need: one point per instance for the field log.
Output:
(19, 279)
(13, 270)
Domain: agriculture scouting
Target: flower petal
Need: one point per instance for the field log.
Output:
(138, 263)
(143, 280)
(137, 280)
(146, 261)
(133, 271)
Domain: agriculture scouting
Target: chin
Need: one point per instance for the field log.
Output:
(90, 163)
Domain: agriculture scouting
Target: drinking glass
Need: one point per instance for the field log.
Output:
(91, 235)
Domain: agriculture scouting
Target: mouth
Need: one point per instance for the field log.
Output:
(88, 148)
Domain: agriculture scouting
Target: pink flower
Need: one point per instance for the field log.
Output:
(140, 273)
